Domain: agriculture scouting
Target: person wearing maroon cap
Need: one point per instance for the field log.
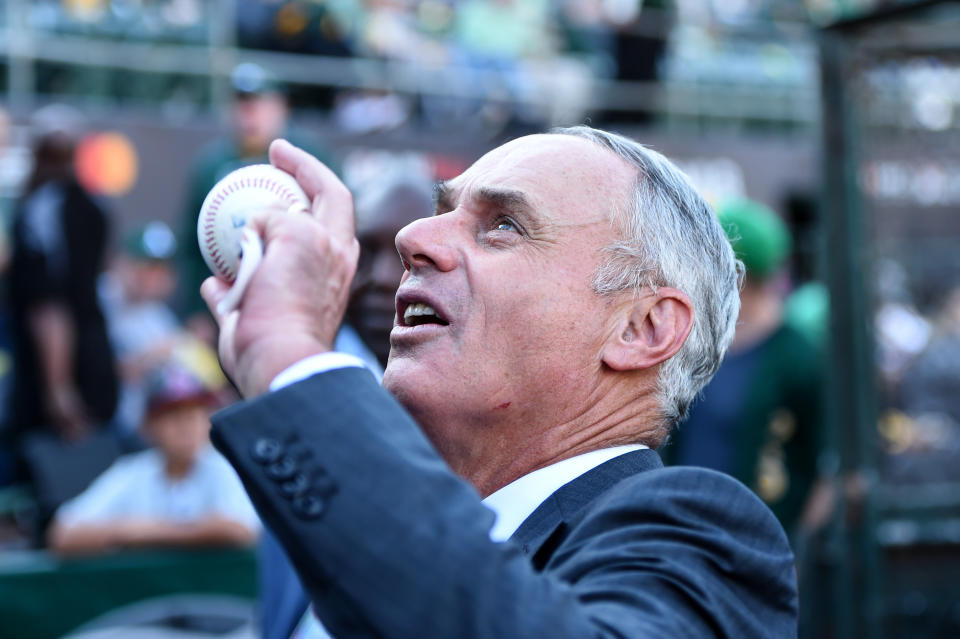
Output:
(181, 492)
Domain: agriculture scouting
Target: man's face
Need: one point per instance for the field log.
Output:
(371, 310)
(148, 280)
(507, 265)
(258, 119)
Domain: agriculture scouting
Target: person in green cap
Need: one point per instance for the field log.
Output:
(759, 418)
(259, 114)
(142, 326)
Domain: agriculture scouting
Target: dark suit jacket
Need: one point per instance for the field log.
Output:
(390, 543)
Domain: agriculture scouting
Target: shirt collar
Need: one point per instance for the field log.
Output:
(517, 500)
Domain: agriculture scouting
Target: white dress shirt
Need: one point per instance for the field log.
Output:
(517, 500)
(512, 504)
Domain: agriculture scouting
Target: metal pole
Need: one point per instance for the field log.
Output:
(223, 53)
(853, 394)
(20, 78)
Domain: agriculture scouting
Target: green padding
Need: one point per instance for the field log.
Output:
(758, 236)
(42, 598)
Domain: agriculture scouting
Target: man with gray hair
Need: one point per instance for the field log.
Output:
(556, 316)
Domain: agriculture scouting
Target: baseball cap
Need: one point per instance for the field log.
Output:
(151, 241)
(249, 79)
(174, 384)
(758, 235)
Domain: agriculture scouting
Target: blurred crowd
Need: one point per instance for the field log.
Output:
(480, 64)
(102, 373)
(110, 370)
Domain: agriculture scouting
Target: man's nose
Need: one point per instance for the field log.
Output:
(427, 243)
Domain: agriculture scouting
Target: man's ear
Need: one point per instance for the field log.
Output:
(650, 330)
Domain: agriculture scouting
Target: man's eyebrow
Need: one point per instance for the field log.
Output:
(508, 199)
(511, 200)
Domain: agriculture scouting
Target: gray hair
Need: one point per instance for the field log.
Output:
(671, 237)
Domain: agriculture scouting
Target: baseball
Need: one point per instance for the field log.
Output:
(231, 201)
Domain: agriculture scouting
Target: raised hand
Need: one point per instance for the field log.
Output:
(296, 299)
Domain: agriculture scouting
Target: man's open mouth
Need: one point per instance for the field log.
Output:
(418, 313)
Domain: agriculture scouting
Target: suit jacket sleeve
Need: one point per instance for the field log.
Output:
(390, 543)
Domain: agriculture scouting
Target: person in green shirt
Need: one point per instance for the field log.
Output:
(259, 114)
(759, 418)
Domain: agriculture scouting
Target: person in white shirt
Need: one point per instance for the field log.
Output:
(179, 493)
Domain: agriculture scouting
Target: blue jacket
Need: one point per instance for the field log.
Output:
(388, 542)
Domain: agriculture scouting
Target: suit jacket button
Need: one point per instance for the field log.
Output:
(282, 469)
(295, 485)
(309, 506)
(267, 450)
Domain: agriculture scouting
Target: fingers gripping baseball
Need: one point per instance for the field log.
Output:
(295, 299)
(332, 201)
(294, 302)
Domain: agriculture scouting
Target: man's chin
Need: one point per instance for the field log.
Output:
(411, 382)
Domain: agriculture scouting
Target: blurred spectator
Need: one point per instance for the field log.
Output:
(902, 331)
(259, 115)
(143, 327)
(6, 201)
(6, 342)
(504, 31)
(179, 493)
(759, 418)
(621, 39)
(382, 209)
(297, 26)
(383, 206)
(930, 383)
(807, 309)
(490, 43)
(65, 378)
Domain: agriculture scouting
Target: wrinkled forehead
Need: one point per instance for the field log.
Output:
(554, 172)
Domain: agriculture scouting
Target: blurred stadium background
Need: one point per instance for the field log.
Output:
(841, 115)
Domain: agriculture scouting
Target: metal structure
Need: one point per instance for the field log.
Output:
(890, 154)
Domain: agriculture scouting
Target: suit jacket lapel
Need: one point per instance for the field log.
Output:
(541, 532)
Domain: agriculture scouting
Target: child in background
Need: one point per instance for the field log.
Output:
(181, 492)
(143, 329)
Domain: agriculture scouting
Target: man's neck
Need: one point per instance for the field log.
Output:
(512, 450)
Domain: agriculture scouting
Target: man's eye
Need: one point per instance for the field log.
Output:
(504, 224)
